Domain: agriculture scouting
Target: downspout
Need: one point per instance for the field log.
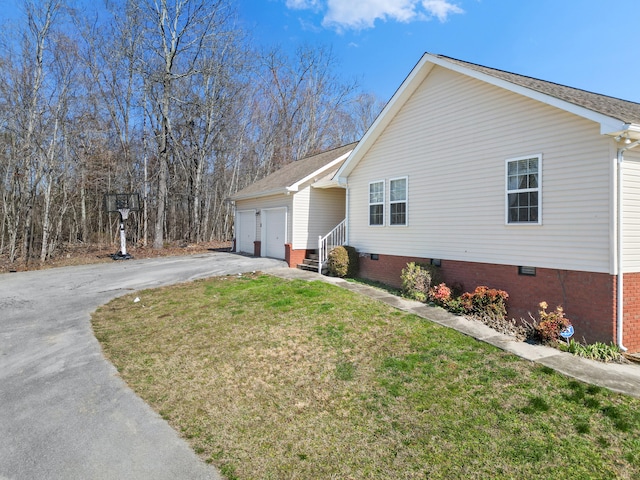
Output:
(346, 216)
(620, 282)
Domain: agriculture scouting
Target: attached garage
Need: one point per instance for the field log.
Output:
(274, 232)
(245, 231)
(282, 215)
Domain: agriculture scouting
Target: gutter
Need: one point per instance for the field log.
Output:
(619, 263)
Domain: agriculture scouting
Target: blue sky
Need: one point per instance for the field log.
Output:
(587, 44)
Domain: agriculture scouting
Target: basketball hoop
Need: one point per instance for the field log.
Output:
(123, 203)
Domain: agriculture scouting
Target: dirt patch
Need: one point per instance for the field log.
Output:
(82, 254)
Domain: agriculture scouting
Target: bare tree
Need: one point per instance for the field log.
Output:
(178, 33)
(162, 92)
(25, 97)
(299, 100)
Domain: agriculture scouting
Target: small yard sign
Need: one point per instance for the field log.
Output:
(567, 333)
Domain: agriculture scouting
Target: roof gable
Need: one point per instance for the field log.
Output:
(290, 177)
(614, 115)
(561, 96)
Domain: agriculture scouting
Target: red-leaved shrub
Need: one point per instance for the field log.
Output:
(485, 301)
(550, 324)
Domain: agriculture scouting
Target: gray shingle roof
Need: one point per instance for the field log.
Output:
(623, 110)
(293, 172)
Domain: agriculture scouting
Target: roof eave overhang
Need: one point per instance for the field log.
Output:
(296, 186)
(631, 130)
(267, 193)
(330, 183)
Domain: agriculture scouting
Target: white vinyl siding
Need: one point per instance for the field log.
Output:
(398, 198)
(631, 211)
(316, 211)
(376, 203)
(452, 137)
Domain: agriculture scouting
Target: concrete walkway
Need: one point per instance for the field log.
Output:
(623, 378)
(64, 412)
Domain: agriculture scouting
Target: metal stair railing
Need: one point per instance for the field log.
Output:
(335, 238)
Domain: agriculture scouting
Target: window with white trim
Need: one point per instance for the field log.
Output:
(398, 196)
(524, 198)
(376, 203)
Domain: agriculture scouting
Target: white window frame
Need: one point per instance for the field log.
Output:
(370, 204)
(405, 201)
(508, 191)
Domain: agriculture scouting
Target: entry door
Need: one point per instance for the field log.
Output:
(245, 231)
(274, 232)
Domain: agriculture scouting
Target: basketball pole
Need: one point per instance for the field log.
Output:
(124, 204)
(122, 254)
(123, 238)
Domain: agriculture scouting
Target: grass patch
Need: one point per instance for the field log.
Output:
(270, 379)
(375, 284)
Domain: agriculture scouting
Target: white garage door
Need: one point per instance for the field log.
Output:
(274, 232)
(245, 231)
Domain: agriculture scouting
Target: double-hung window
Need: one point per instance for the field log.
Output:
(376, 203)
(524, 199)
(398, 201)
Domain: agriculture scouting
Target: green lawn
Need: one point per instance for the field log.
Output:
(276, 379)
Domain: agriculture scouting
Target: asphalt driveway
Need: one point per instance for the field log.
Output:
(64, 412)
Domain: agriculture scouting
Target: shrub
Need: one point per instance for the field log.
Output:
(417, 279)
(486, 302)
(550, 324)
(440, 294)
(338, 262)
(354, 261)
(596, 351)
(342, 262)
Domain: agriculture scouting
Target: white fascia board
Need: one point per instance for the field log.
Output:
(296, 186)
(607, 124)
(633, 130)
(268, 193)
(399, 98)
(630, 130)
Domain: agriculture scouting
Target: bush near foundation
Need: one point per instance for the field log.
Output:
(343, 261)
(417, 279)
(550, 324)
(485, 301)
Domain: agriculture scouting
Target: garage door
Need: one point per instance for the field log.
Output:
(274, 232)
(245, 231)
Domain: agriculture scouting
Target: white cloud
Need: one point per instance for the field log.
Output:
(302, 4)
(361, 14)
(440, 8)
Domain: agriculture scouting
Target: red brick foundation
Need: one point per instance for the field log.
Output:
(257, 248)
(588, 299)
(631, 327)
(293, 257)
